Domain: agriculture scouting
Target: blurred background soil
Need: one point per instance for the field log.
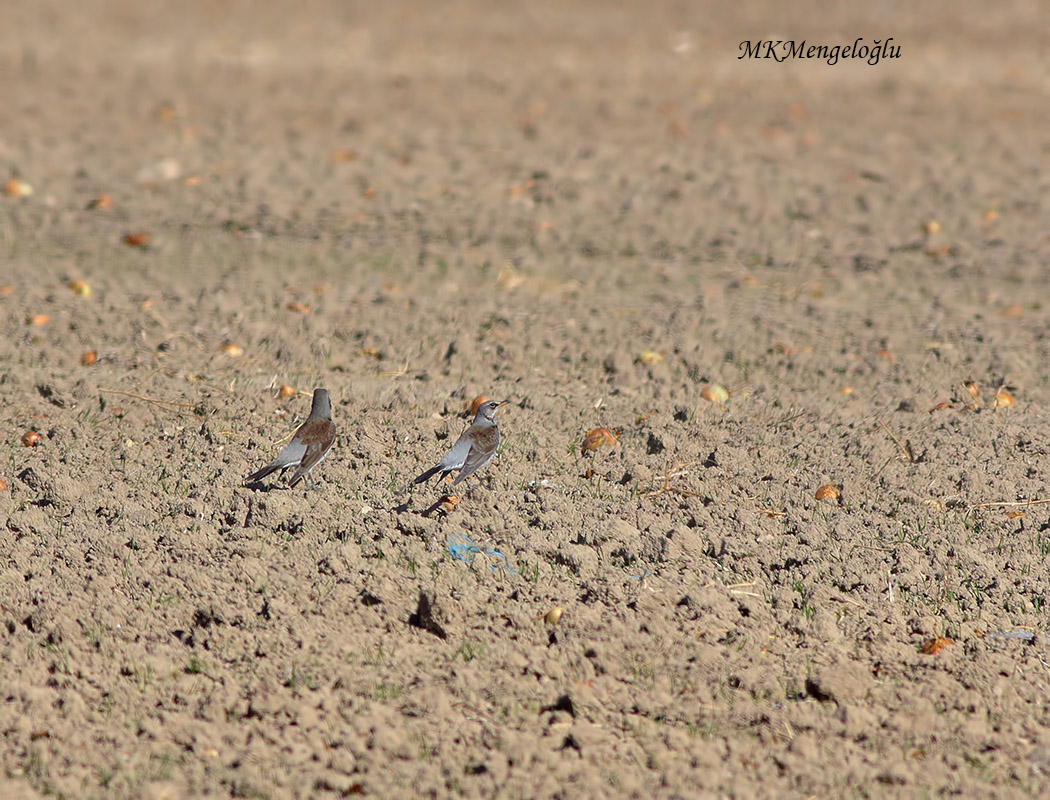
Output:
(595, 211)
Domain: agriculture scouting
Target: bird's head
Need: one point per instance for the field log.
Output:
(488, 409)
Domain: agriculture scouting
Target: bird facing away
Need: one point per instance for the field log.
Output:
(309, 445)
(474, 449)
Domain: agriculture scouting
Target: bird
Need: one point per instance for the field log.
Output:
(474, 449)
(309, 444)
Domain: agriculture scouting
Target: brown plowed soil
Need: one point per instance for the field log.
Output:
(593, 211)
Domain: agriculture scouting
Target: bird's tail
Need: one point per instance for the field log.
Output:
(258, 476)
(430, 473)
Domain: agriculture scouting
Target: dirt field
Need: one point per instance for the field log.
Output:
(594, 211)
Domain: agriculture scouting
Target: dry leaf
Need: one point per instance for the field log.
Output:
(299, 307)
(650, 357)
(286, 391)
(136, 239)
(31, 439)
(932, 227)
(89, 358)
(3, 486)
(167, 169)
(939, 406)
(553, 616)
(828, 492)
(475, 404)
(1002, 399)
(677, 129)
(450, 502)
(846, 390)
(231, 349)
(884, 354)
(79, 287)
(972, 388)
(935, 645)
(342, 155)
(1014, 514)
(715, 393)
(39, 319)
(102, 201)
(598, 437)
(519, 189)
(5, 289)
(371, 352)
(1015, 310)
(509, 278)
(17, 188)
(991, 215)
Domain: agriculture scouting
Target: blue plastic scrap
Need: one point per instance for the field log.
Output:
(462, 548)
(1017, 633)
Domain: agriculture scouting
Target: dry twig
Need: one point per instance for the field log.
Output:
(905, 448)
(675, 472)
(397, 373)
(1007, 504)
(153, 400)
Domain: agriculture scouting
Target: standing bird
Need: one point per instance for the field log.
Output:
(474, 449)
(309, 445)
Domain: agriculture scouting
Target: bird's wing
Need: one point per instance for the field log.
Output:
(291, 455)
(481, 452)
(457, 456)
(318, 443)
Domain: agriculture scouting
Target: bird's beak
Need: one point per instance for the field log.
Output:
(503, 403)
